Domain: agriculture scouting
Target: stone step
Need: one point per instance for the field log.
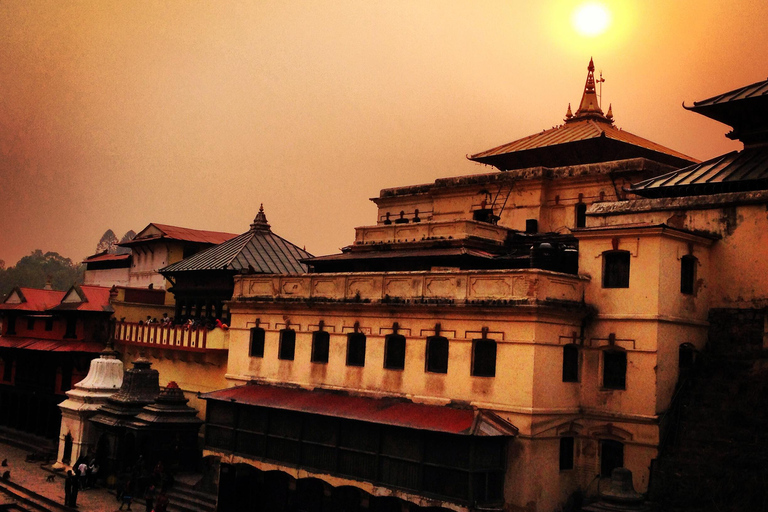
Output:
(183, 497)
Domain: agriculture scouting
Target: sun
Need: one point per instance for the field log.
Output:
(591, 19)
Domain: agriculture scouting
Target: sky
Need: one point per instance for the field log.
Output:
(115, 114)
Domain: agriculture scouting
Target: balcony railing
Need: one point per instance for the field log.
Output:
(174, 337)
(438, 287)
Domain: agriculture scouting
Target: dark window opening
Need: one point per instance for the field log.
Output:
(287, 349)
(356, 349)
(30, 324)
(687, 274)
(614, 369)
(685, 356)
(71, 331)
(67, 455)
(49, 324)
(10, 327)
(571, 363)
(7, 369)
(611, 456)
(437, 354)
(581, 215)
(256, 348)
(394, 352)
(616, 269)
(320, 346)
(483, 358)
(566, 452)
(531, 226)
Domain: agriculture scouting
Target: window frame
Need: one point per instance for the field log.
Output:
(614, 276)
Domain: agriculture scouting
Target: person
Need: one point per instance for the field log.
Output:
(93, 473)
(221, 325)
(70, 484)
(82, 473)
(149, 496)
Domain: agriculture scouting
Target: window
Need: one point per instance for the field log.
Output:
(566, 453)
(616, 269)
(611, 456)
(256, 348)
(437, 354)
(320, 344)
(356, 349)
(687, 274)
(614, 369)
(30, 324)
(484, 358)
(71, 331)
(581, 215)
(571, 363)
(287, 348)
(10, 327)
(49, 324)
(394, 352)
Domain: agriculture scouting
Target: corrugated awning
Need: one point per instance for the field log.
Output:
(387, 411)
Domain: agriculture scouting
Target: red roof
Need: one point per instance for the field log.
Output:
(388, 411)
(33, 299)
(182, 234)
(106, 257)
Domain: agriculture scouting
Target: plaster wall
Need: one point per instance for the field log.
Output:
(107, 277)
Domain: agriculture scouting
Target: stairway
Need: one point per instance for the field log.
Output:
(184, 498)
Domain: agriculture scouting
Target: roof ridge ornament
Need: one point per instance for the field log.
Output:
(589, 107)
(260, 221)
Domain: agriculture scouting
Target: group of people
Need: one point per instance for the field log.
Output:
(152, 487)
(83, 476)
(190, 324)
(165, 320)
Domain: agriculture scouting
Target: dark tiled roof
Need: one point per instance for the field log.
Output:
(734, 172)
(257, 250)
(748, 91)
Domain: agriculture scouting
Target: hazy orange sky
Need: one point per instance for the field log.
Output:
(115, 114)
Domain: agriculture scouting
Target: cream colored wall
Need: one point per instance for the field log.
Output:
(106, 277)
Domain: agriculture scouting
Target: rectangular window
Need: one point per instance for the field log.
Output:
(30, 324)
(356, 349)
(571, 363)
(320, 346)
(687, 274)
(611, 456)
(49, 324)
(394, 352)
(614, 369)
(566, 453)
(71, 331)
(10, 325)
(483, 358)
(437, 354)
(581, 215)
(287, 349)
(256, 347)
(616, 269)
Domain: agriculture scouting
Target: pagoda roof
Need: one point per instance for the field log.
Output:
(258, 250)
(589, 136)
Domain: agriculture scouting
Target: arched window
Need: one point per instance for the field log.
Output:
(437, 354)
(394, 352)
(616, 269)
(355, 349)
(483, 358)
(256, 346)
(571, 363)
(287, 348)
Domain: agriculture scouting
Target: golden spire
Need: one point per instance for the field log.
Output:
(589, 106)
(568, 113)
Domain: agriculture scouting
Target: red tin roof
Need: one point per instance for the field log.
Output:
(106, 257)
(91, 298)
(388, 411)
(182, 234)
(33, 299)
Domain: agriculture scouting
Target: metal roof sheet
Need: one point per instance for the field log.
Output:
(733, 172)
(256, 250)
(182, 234)
(33, 299)
(748, 91)
(388, 411)
(106, 257)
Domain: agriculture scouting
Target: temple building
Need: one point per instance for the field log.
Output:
(492, 342)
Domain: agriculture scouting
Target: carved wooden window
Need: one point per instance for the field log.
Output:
(320, 346)
(356, 349)
(571, 363)
(256, 347)
(287, 349)
(611, 456)
(687, 274)
(394, 352)
(437, 354)
(616, 269)
(483, 358)
(614, 369)
(566, 452)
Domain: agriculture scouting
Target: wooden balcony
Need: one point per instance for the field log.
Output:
(497, 287)
(172, 337)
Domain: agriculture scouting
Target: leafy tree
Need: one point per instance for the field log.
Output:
(33, 271)
(107, 243)
(130, 235)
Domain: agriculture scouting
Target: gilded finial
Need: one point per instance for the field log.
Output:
(260, 222)
(568, 113)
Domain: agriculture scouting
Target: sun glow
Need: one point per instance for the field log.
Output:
(591, 19)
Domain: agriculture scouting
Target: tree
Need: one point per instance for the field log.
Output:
(33, 271)
(108, 242)
(126, 238)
